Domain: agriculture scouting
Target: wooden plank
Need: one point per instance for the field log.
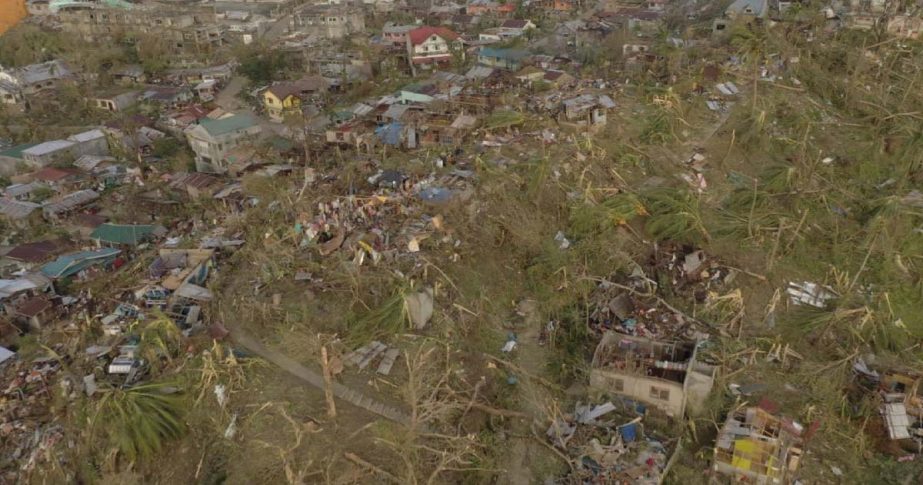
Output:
(384, 368)
(357, 355)
(377, 348)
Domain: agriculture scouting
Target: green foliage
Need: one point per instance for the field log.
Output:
(573, 348)
(675, 214)
(160, 340)
(42, 193)
(263, 67)
(587, 219)
(501, 119)
(388, 318)
(166, 147)
(656, 128)
(139, 420)
(27, 44)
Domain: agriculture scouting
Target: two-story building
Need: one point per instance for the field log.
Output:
(396, 34)
(429, 46)
(328, 21)
(212, 139)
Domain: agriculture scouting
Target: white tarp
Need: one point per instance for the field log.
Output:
(194, 292)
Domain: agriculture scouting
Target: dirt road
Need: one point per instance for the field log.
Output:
(315, 379)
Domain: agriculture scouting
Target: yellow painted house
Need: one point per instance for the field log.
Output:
(285, 98)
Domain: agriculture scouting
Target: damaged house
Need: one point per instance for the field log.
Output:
(665, 375)
(16, 85)
(588, 109)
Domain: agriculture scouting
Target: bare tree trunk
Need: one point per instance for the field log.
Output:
(328, 384)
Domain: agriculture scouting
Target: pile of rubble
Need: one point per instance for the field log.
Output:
(688, 270)
(608, 451)
(25, 432)
(389, 219)
(628, 305)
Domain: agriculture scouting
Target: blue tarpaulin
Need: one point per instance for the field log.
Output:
(390, 134)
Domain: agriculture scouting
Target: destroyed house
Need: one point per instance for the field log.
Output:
(176, 267)
(902, 407)
(665, 375)
(60, 206)
(754, 446)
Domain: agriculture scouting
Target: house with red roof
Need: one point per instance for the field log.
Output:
(428, 46)
(57, 178)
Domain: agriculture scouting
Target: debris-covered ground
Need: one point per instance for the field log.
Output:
(551, 243)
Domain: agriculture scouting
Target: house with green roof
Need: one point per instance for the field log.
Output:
(11, 157)
(213, 139)
(125, 234)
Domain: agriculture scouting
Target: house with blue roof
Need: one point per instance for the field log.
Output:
(509, 59)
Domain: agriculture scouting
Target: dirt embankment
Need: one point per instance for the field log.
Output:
(11, 12)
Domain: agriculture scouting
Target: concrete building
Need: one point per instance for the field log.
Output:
(212, 139)
(396, 34)
(328, 21)
(665, 375)
(114, 101)
(16, 85)
(181, 29)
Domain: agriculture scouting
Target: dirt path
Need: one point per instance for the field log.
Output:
(227, 98)
(314, 379)
(278, 28)
(525, 453)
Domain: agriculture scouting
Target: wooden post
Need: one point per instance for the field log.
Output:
(328, 384)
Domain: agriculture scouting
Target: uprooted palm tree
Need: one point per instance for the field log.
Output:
(160, 340)
(750, 44)
(139, 420)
